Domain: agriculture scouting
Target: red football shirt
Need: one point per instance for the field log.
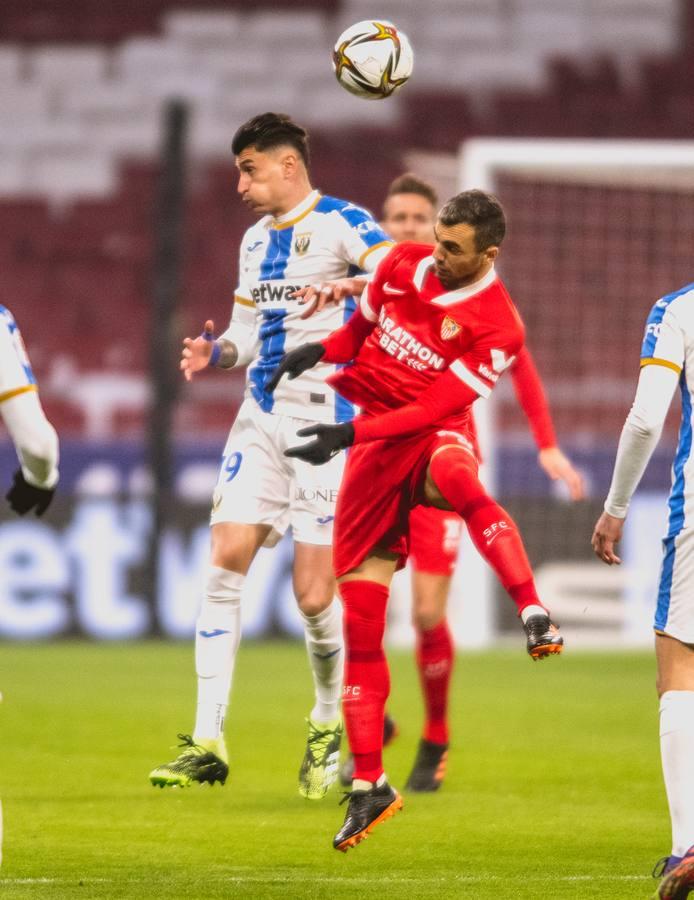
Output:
(421, 330)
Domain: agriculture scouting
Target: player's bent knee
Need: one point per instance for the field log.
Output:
(234, 545)
(426, 619)
(675, 660)
(454, 474)
(313, 603)
(223, 585)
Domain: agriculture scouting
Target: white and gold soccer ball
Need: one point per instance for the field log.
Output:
(372, 59)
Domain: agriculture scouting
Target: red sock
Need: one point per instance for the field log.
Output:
(492, 530)
(435, 663)
(367, 681)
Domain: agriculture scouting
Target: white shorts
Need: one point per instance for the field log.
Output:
(674, 615)
(258, 485)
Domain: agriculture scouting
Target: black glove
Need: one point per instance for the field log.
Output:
(295, 362)
(23, 496)
(330, 439)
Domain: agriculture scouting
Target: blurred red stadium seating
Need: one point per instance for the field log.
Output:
(58, 21)
(79, 275)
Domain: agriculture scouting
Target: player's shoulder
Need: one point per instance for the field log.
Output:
(6, 318)
(405, 257)
(679, 303)
(343, 211)
(497, 293)
(492, 310)
(511, 312)
(413, 252)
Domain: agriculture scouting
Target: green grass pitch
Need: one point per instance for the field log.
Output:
(554, 785)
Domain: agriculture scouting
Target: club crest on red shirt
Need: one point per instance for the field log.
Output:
(449, 328)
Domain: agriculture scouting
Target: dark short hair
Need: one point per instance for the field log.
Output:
(270, 130)
(409, 183)
(482, 211)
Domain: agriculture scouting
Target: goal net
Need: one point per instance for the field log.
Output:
(597, 231)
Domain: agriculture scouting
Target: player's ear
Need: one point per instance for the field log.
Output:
(492, 253)
(290, 164)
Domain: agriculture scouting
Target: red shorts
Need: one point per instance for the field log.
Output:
(382, 481)
(434, 540)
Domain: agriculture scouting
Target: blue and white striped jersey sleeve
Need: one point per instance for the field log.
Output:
(16, 375)
(364, 242)
(664, 338)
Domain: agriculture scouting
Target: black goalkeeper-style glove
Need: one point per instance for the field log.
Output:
(295, 362)
(330, 439)
(23, 496)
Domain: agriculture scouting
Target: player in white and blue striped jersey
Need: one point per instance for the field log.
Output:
(302, 238)
(667, 361)
(33, 436)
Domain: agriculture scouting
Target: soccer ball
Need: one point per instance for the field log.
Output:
(372, 59)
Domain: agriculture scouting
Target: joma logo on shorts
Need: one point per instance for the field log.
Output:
(329, 495)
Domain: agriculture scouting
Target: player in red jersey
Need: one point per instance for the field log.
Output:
(434, 331)
(409, 214)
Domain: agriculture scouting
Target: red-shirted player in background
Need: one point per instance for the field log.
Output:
(409, 214)
(434, 331)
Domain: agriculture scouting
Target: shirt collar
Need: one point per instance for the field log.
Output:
(299, 211)
(465, 293)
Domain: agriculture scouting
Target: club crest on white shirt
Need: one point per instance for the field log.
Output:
(449, 328)
(302, 242)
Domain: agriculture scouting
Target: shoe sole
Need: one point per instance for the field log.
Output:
(681, 883)
(167, 782)
(163, 781)
(387, 813)
(546, 650)
(307, 795)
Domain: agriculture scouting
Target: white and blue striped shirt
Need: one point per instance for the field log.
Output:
(669, 342)
(321, 239)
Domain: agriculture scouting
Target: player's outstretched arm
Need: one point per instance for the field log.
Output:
(203, 351)
(638, 440)
(533, 400)
(316, 296)
(447, 395)
(36, 442)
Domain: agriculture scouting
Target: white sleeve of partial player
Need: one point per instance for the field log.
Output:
(34, 438)
(640, 434)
